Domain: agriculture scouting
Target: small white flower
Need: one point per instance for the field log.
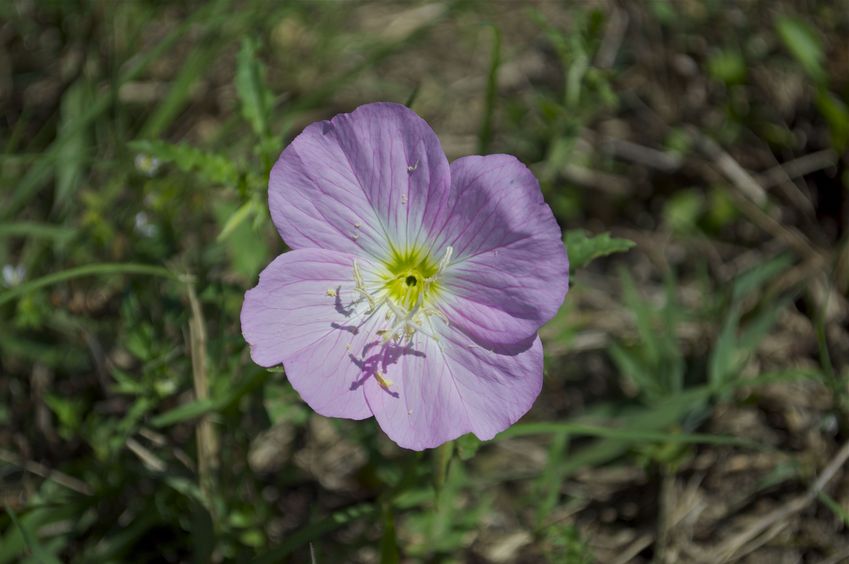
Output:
(143, 225)
(147, 164)
(13, 274)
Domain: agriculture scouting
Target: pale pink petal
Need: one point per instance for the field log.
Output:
(360, 182)
(441, 390)
(510, 272)
(301, 315)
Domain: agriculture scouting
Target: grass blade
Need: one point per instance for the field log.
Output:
(87, 270)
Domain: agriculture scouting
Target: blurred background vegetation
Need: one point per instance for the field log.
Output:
(695, 400)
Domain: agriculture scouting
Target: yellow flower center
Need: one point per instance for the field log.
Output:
(411, 278)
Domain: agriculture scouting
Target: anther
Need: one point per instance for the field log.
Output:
(382, 380)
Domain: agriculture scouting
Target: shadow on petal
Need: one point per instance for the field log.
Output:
(377, 364)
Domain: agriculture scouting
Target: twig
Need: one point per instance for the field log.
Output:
(207, 439)
(730, 168)
(838, 557)
(603, 181)
(666, 498)
(640, 154)
(631, 551)
(614, 33)
(146, 456)
(160, 441)
(747, 539)
(797, 168)
(751, 196)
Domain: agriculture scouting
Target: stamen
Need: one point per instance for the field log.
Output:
(432, 311)
(443, 264)
(360, 287)
(446, 258)
(358, 278)
(382, 380)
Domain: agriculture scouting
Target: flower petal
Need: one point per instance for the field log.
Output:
(510, 272)
(444, 389)
(301, 315)
(359, 181)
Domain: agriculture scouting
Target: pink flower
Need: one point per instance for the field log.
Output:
(415, 288)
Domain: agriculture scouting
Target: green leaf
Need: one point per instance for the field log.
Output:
(682, 210)
(633, 427)
(39, 552)
(72, 153)
(467, 446)
(724, 360)
(180, 89)
(550, 481)
(803, 44)
(441, 461)
(583, 249)
(630, 366)
(388, 541)
(248, 251)
(835, 507)
(36, 231)
(210, 166)
(836, 113)
(38, 175)
(727, 66)
(757, 276)
(185, 412)
(236, 219)
(254, 95)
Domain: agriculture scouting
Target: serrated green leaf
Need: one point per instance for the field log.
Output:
(583, 249)
(210, 166)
